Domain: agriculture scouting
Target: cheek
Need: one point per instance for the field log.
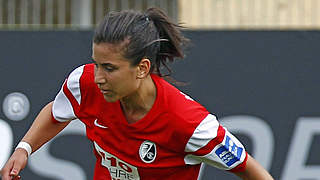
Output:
(123, 82)
(127, 85)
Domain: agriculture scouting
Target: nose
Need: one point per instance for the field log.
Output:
(99, 77)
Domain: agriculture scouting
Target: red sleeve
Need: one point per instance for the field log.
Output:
(241, 167)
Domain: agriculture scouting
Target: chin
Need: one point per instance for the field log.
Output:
(110, 99)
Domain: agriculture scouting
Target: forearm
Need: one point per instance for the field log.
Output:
(254, 171)
(43, 128)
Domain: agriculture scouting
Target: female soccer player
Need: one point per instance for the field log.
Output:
(141, 127)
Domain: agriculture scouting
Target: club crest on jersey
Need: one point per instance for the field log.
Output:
(148, 151)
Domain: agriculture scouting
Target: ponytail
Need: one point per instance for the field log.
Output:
(170, 37)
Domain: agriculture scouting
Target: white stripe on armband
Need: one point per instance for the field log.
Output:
(26, 146)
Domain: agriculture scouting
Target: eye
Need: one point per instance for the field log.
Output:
(109, 69)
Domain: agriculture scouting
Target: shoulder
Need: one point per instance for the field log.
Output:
(67, 101)
(84, 73)
(81, 78)
(79, 82)
(182, 106)
(186, 113)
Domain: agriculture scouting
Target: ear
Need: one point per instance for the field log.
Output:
(143, 68)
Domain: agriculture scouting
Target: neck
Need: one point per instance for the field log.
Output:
(138, 104)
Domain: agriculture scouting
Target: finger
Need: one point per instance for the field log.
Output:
(5, 172)
(16, 178)
(15, 170)
(6, 177)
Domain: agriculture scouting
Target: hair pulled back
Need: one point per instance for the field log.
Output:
(149, 35)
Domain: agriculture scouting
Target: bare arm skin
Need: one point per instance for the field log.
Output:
(254, 171)
(42, 130)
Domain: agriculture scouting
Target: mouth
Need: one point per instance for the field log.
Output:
(105, 91)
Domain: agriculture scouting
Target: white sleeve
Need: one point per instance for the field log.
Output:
(68, 99)
(214, 145)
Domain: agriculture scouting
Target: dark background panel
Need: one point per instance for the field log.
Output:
(273, 75)
(36, 64)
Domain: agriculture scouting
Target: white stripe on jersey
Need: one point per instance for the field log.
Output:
(62, 109)
(73, 83)
(203, 134)
(226, 155)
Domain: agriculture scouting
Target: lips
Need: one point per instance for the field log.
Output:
(105, 91)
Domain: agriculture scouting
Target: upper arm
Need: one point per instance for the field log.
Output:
(254, 171)
(214, 145)
(68, 99)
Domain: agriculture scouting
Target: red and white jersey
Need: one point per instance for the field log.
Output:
(170, 142)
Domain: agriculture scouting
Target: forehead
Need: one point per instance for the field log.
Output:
(107, 52)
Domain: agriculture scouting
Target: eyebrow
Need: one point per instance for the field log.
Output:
(104, 64)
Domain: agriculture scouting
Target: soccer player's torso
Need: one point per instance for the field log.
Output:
(152, 148)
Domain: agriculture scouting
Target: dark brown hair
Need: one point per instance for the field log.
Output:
(149, 35)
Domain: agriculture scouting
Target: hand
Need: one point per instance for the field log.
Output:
(14, 165)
